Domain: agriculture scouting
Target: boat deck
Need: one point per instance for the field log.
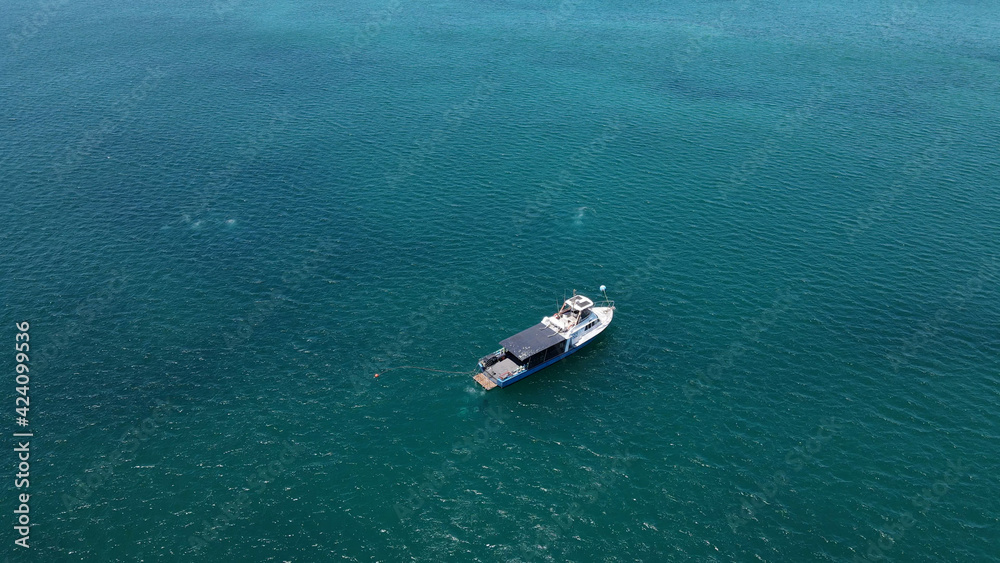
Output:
(502, 368)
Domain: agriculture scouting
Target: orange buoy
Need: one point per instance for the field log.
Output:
(376, 376)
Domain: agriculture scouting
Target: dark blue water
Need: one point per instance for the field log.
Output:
(222, 218)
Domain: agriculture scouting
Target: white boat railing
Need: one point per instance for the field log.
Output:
(510, 374)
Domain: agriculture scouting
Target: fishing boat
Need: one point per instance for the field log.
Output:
(575, 325)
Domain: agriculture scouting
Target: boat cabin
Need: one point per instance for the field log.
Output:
(574, 310)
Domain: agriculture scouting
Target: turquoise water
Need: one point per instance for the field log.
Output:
(221, 219)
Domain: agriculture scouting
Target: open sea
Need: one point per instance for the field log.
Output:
(221, 218)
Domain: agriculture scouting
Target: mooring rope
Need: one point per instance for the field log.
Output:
(466, 372)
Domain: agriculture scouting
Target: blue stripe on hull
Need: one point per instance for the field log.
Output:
(526, 373)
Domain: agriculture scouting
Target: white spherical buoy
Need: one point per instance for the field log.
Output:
(603, 287)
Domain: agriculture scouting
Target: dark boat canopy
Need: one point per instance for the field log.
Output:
(529, 342)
